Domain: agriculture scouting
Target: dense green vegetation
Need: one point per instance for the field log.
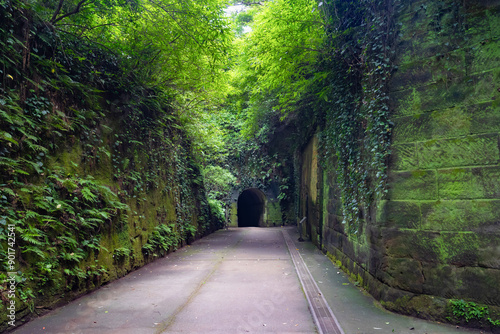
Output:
(98, 172)
(106, 103)
(306, 65)
(126, 125)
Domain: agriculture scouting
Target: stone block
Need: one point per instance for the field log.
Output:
(411, 74)
(336, 239)
(485, 87)
(435, 96)
(413, 128)
(456, 183)
(493, 15)
(460, 215)
(406, 102)
(450, 248)
(468, 151)
(404, 157)
(401, 214)
(486, 182)
(404, 274)
(484, 56)
(483, 5)
(458, 249)
(488, 252)
(444, 123)
(448, 66)
(414, 185)
(485, 117)
(450, 122)
(464, 91)
(334, 205)
(424, 36)
(479, 284)
(478, 27)
(347, 246)
(407, 244)
(440, 280)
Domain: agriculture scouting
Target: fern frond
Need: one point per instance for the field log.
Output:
(88, 195)
(35, 250)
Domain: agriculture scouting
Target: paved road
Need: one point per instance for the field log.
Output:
(235, 281)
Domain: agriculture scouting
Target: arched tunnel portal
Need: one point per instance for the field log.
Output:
(251, 208)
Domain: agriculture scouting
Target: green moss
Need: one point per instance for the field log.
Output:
(485, 117)
(483, 55)
(460, 215)
(471, 150)
(412, 105)
(455, 183)
(414, 185)
(402, 214)
(404, 156)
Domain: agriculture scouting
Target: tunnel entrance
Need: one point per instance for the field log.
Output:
(251, 207)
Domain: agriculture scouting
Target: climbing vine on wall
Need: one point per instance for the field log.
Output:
(355, 101)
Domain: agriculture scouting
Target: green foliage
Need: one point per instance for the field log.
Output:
(121, 253)
(354, 97)
(218, 181)
(318, 64)
(281, 50)
(217, 208)
(468, 311)
(163, 239)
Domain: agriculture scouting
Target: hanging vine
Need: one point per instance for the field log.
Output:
(355, 100)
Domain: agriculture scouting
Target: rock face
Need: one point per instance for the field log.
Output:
(435, 236)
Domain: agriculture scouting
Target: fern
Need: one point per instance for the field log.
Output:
(88, 195)
(5, 117)
(35, 250)
(8, 137)
(8, 162)
(31, 238)
(8, 191)
(69, 241)
(75, 256)
(33, 164)
(29, 214)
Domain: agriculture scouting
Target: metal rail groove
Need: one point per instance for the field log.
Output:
(325, 320)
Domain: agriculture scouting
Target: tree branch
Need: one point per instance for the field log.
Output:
(75, 11)
(58, 9)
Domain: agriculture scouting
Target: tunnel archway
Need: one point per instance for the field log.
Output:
(251, 208)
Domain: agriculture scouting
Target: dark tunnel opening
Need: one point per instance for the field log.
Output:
(251, 208)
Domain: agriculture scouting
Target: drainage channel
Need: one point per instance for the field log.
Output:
(323, 316)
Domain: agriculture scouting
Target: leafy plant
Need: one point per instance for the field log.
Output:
(468, 310)
(162, 240)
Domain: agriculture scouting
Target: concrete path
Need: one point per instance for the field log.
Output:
(234, 281)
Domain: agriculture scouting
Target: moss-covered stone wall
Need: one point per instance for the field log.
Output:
(309, 202)
(163, 206)
(435, 235)
(97, 177)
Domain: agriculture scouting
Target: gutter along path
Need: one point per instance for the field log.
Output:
(241, 280)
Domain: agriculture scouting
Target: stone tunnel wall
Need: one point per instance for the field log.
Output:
(270, 215)
(436, 235)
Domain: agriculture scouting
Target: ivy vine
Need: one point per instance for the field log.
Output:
(357, 132)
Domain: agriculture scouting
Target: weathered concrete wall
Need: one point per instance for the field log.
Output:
(436, 235)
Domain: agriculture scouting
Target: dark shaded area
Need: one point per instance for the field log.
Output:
(250, 208)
